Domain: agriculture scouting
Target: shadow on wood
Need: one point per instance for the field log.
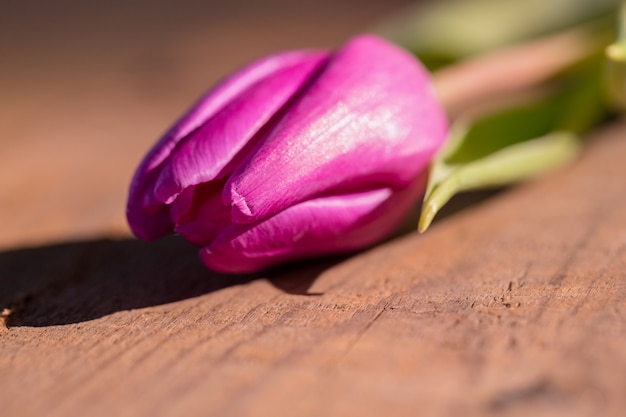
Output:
(79, 281)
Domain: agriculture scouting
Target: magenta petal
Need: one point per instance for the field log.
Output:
(369, 118)
(299, 154)
(219, 96)
(146, 214)
(202, 219)
(207, 151)
(320, 226)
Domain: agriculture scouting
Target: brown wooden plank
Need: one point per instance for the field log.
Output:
(514, 306)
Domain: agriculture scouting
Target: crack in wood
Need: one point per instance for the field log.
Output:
(364, 329)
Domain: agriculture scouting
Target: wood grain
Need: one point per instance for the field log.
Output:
(513, 306)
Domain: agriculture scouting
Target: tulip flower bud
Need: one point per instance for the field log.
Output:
(298, 154)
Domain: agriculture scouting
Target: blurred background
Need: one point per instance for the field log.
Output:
(86, 87)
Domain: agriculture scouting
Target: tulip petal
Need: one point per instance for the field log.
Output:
(315, 227)
(199, 214)
(369, 119)
(204, 154)
(147, 215)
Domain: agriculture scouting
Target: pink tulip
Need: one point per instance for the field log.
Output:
(298, 154)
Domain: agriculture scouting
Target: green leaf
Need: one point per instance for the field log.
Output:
(513, 163)
(517, 142)
(504, 128)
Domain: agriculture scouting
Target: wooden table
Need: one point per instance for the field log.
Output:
(513, 306)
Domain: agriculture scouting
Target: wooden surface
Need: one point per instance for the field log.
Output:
(513, 306)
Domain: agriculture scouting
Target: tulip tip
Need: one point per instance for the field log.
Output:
(426, 218)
